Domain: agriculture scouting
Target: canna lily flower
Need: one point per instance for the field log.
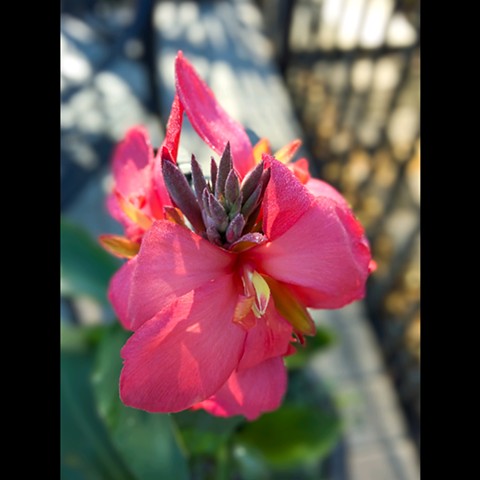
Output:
(219, 278)
(215, 306)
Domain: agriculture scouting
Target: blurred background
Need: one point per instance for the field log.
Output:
(342, 75)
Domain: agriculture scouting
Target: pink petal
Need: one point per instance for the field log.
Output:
(132, 171)
(320, 188)
(174, 129)
(119, 291)
(324, 254)
(209, 119)
(132, 155)
(185, 354)
(270, 337)
(250, 392)
(285, 200)
(171, 262)
(168, 149)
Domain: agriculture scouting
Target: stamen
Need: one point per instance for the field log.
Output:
(256, 286)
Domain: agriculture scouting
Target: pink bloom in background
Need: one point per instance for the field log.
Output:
(139, 194)
(218, 292)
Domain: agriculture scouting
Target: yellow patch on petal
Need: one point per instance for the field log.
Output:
(262, 293)
(262, 146)
(119, 246)
(286, 153)
(257, 288)
(133, 213)
(290, 308)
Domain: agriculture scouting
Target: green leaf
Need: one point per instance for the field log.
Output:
(86, 268)
(85, 448)
(149, 443)
(79, 338)
(205, 434)
(292, 435)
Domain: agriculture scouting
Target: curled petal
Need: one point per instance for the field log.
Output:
(250, 392)
(209, 119)
(185, 354)
(171, 262)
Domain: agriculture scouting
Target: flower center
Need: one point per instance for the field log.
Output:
(222, 209)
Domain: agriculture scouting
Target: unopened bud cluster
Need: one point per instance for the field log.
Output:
(221, 209)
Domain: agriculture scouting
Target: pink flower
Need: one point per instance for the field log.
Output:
(217, 287)
(139, 194)
(213, 321)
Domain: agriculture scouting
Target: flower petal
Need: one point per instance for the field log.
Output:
(119, 246)
(286, 153)
(209, 119)
(168, 150)
(270, 337)
(133, 165)
(185, 354)
(131, 157)
(172, 261)
(119, 291)
(250, 392)
(285, 200)
(174, 129)
(320, 188)
(324, 254)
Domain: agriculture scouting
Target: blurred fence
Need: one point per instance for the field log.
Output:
(352, 68)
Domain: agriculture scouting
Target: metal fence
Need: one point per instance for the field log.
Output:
(352, 68)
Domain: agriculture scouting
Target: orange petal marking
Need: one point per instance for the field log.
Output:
(119, 246)
(262, 146)
(133, 213)
(286, 153)
(242, 310)
(174, 215)
(300, 170)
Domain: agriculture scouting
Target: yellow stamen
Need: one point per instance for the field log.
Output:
(256, 287)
